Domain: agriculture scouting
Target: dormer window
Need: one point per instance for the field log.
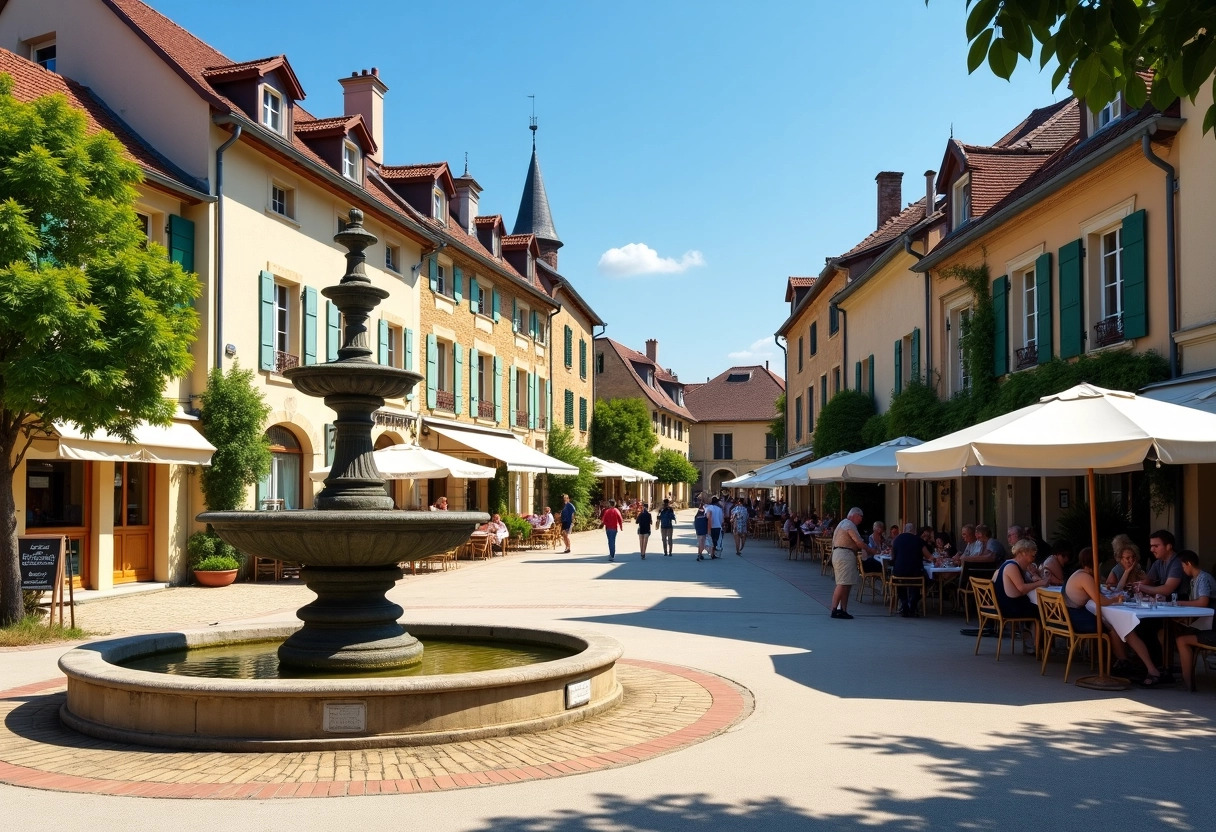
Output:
(438, 205)
(1111, 112)
(350, 161)
(44, 55)
(497, 244)
(960, 200)
(272, 110)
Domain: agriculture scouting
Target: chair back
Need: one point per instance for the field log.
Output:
(971, 570)
(1053, 612)
(985, 596)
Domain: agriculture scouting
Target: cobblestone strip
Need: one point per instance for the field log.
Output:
(664, 708)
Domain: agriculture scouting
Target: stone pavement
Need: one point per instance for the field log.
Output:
(874, 723)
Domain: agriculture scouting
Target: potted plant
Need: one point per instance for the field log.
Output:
(214, 562)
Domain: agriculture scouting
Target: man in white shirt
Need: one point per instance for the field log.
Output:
(714, 513)
(546, 519)
(846, 544)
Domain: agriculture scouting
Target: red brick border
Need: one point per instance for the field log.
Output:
(729, 705)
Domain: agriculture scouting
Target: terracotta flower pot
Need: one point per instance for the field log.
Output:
(222, 578)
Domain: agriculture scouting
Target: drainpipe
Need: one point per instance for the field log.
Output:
(219, 235)
(786, 414)
(844, 347)
(928, 339)
(1170, 248)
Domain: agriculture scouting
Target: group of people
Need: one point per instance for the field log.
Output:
(614, 522)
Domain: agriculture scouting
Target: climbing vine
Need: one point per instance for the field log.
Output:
(978, 338)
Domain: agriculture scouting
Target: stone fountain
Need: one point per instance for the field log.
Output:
(351, 546)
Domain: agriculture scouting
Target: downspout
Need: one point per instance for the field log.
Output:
(1170, 247)
(844, 347)
(928, 339)
(219, 235)
(786, 414)
(594, 373)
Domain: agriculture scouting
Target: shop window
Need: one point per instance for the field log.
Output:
(54, 494)
(132, 494)
(282, 487)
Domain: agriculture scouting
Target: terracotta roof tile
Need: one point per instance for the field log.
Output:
(748, 398)
(802, 281)
(491, 219)
(890, 230)
(408, 172)
(31, 81)
(1047, 128)
(657, 395)
(995, 172)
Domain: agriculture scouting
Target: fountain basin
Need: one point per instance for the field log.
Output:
(116, 703)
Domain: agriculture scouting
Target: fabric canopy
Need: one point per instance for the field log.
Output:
(875, 464)
(609, 470)
(508, 450)
(764, 477)
(1197, 392)
(411, 462)
(176, 444)
(801, 475)
(1082, 428)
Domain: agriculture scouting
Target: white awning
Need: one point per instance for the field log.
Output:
(176, 444)
(506, 449)
(606, 469)
(410, 462)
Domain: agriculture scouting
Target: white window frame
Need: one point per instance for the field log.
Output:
(289, 200)
(483, 307)
(1111, 112)
(439, 205)
(1092, 232)
(441, 281)
(47, 63)
(1030, 316)
(1110, 260)
(957, 308)
(351, 161)
(392, 258)
(960, 201)
(443, 372)
(268, 114)
(285, 316)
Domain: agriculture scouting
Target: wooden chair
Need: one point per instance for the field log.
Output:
(265, 568)
(988, 610)
(1053, 614)
(963, 593)
(825, 549)
(871, 579)
(480, 546)
(897, 582)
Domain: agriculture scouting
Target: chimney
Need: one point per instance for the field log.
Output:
(930, 196)
(652, 349)
(890, 195)
(467, 192)
(363, 94)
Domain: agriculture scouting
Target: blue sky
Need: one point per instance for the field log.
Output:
(722, 146)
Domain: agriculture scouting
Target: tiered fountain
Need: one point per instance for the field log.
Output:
(352, 546)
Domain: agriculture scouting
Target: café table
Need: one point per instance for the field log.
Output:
(939, 574)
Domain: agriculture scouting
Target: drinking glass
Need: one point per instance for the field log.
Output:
(1173, 599)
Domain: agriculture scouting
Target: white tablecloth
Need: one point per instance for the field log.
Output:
(1123, 619)
(930, 570)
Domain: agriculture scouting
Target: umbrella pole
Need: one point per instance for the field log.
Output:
(903, 499)
(1103, 681)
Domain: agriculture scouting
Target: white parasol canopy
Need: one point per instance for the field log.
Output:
(606, 469)
(413, 462)
(801, 475)
(875, 464)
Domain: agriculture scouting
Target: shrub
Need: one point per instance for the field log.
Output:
(217, 563)
(517, 526)
(231, 418)
(841, 422)
(205, 547)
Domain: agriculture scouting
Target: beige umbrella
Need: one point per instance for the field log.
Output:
(411, 462)
(1079, 431)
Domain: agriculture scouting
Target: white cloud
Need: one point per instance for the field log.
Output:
(639, 258)
(757, 353)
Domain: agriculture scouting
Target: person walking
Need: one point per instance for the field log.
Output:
(613, 522)
(644, 521)
(567, 520)
(700, 524)
(846, 543)
(739, 517)
(667, 524)
(713, 512)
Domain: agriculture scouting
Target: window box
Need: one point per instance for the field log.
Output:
(285, 361)
(521, 418)
(485, 409)
(445, 400)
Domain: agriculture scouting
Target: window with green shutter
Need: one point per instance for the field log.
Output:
(457, 377)
(310, 325)
(582, 357)
(181, 241)
(432, 371)
(899, 365)
(1042, 311)
(568, 342)
(1135, 275)
(497, 390)
(814, 338)
(857, 376)
(333, 331)
(569, 415)
(266, 321)
(1000, 330)
(1072, 312)
(495, 305)
(914, 359)
(582, 413)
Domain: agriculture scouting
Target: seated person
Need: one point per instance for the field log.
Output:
(971, 547)
(992, 550)
(878, 536)
(1202, 594)
(1011, 585)
(497, 528)
(545, 520)
(1127, 572)
(1080, 589)
(1059, 566)
(440, 504)
(943, 543)
(909, 553)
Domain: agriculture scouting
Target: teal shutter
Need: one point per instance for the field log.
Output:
(382, 355)
(870, 380)
(181, 241)
(568, 342)
(333, 331)
(432, 371)
(582, 357)
(1072, 313)
(513, 395)
(1042, 299)
(914, 358)
(1000, 329)
(329, 443)
(409, 359)
(569, 414)
(457, 284)
(266, 298)
(857, 375)
(582, 413)
(1135, 275)
(433, 271)
(474, 393)
(495, 303)
(533, 324)
(899, 367)
(532, 407)
(310, 325)
(814, 338)
(474, 306)
(497, 389)
(457, 377)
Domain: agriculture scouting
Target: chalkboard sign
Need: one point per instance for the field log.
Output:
(41, 561)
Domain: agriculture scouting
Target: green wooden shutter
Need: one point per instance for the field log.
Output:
(495, 304)
(266, 298)
(181, 241)
(433, 271)
(457, 284)
(532, 401)
(1072, 312)
(333, 331)
(457, 377)
(382, 355)
(497, 389)
(329, 443)
(870, 380)
(857, 376)
(582, 357)
(1042, 299)
(568, 342)
(1135, 275)
(474, 393)
(409, 359)
(814, 338)
(914, 358)
(310, 325)
(582, 413)
(569, 414)
(823, 390)
(474, 306)
(1000, 329)
(899, 366)
(432, 371)
(533, 324)
(513, 395)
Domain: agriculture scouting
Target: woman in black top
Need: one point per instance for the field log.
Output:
(644, 522)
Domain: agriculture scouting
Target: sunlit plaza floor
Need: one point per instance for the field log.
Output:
(876, 723)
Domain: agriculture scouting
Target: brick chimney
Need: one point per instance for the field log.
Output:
(652, 349)
(930, 196)
(890, 195)
(467, 193)
(363, 94)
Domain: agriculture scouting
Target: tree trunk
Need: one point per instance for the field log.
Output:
(11, 608)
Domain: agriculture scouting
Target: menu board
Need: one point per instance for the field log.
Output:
(39, 557)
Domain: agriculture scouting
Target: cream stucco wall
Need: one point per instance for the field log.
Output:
(569, 378)
(1196, 243)
(748, 444)
(826, 360)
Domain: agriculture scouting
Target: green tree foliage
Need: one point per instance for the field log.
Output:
(232, 417)
(841, 423)
(671, 467)
(776, 428)
(621, 432)
(1102, 45)
(93, 320)
(498, 490)
(915, 411)
(562, 446)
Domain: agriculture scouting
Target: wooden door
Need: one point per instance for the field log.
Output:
(134, 553)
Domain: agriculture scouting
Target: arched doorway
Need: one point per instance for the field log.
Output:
(283, 487)
(717, 478)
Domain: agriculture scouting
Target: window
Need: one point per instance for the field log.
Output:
(738, 378)
(445, 388)
(438, 211)
(963, 321)
(350, 161)
(835, 380)
(523, 405)
(392, 258)
(679, 429)
(145, 225)
(282, 200)
(441, 284)
(44, 56)
(1112, 273)
(960, 201)
(1110, 112)
(723, 442)
(582, 414)
(823, 390)
(485, 386)
(800, 354)
(519, 314)
(283, 486)
(770, 446)
(599, 362)
(582, 358)
(392, 346)
(810, 410)
(663, 425)
(569, 420)
(282, 321)
(1028, 354)
(568, 347)
(833, 320)
(478, 298)
(814, 338)
(797, 422)
(272, 110)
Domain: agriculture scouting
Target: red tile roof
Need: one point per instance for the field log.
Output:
(752, 400)
(409, 172)
(31, 81)
(657, 395)
(1047, 128)
(995, 172)
(258, 67)
(802, 281)
(889, 230)
(491, 219)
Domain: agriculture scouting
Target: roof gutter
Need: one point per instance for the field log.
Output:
(785, 415)
(989, 221)
(928, 339)
(171, 184)
(1170, 247)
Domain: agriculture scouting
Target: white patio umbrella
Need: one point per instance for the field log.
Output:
(412, 462)
(1079, 431)
(875, 464)
(801, 474)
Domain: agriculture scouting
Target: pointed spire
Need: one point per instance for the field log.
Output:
(534, 217)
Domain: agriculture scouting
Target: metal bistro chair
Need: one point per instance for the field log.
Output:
(1053, 613)
(986, 606)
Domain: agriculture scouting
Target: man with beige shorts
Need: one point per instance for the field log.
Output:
(846, 543)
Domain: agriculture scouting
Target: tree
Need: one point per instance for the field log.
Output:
(1102, 46)
(671, 467)
(93, 319)
(562, 446)
(621, 432)
(776, 428)
(232, 418)
(841, 423)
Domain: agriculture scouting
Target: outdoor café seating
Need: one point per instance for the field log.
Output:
(989, 611)
(1053, 614)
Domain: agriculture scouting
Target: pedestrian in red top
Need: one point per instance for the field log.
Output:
(613, 522)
